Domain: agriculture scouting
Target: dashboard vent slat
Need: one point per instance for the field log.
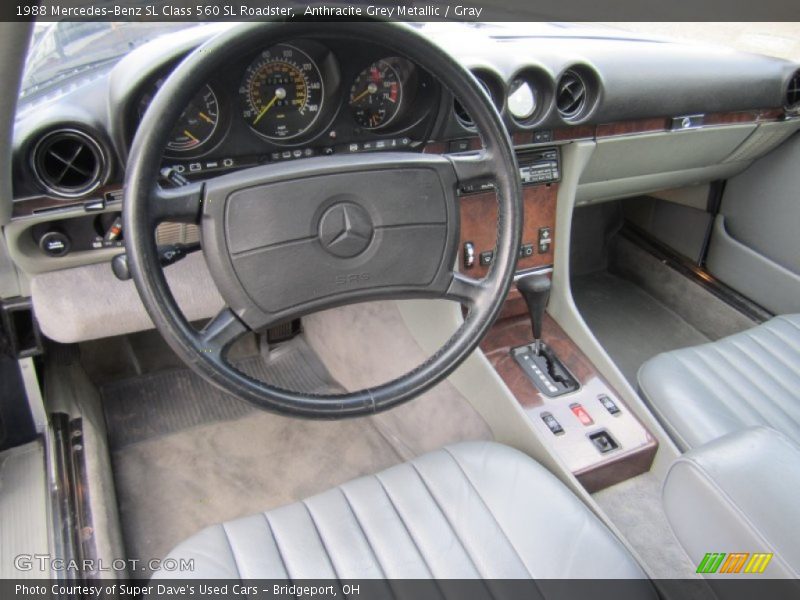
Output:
(68, 163)
(571, 95)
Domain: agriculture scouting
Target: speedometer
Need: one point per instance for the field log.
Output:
(282, 93)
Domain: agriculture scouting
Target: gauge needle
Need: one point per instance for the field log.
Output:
(205, 117)
(280, 94)
(371, 89)
(188, 134)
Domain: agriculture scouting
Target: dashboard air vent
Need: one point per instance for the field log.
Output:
(571, 95)
(462, 116)
(793, 92)
(68, 163)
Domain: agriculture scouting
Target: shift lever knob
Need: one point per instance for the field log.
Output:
(536, 291)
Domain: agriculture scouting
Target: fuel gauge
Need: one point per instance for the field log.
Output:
(197, 123)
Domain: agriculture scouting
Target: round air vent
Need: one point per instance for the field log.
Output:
(492, 87)
(572, 96)
(68, 163)
(793, 92)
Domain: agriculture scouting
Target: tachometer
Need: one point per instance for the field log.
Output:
(282, 93)
(197, 123)
(376, 95)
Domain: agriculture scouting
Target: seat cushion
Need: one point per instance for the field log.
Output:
(739, 493)
(744, 380)
(473, 510)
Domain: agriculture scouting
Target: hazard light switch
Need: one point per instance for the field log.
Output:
(581, 413)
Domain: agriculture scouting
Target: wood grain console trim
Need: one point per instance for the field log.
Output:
(632, 127)
(594, 471)
(510, 333)
(479, 225)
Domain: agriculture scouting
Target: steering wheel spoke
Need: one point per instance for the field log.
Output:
(474, 167)
(466, 290)
(220, 333)
(180, 205)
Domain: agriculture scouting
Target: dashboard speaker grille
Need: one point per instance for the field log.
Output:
(571, 95)
(68, 163)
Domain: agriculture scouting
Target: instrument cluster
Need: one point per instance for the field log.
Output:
(305, 95)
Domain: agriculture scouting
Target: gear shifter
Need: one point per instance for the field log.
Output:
(536, 291)
(538, 360)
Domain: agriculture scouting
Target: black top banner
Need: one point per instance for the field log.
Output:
(402, 10)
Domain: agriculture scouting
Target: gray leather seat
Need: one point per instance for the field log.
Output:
(471, 510)
(747, 379)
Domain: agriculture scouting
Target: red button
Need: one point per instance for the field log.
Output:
(581, 413)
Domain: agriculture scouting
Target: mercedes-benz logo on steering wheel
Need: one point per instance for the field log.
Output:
(345, 229)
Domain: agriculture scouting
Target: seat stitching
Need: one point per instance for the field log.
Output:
(491, 514)
(771, 352)
(452, 528)
(447, 519)
(233, 553)
(405, 525)
(750, 381)
(411, 536)
(277, 546)
(322, 540)
(786, 340)
(763, 365)
(363, 531)
(774, 402)
(710, 373)
(706, 381)
(788, 321)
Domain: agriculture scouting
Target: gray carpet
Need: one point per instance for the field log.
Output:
(631, 325)
(635, 505)
(186, 456)
(162, 402)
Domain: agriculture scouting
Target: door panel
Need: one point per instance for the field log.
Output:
(755, 245)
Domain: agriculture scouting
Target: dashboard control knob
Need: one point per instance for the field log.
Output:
(55, 243)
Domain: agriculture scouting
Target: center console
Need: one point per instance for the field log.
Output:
(576, 413)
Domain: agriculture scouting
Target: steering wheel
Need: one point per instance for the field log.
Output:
(283, 240)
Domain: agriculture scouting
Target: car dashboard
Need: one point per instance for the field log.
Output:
(656, 114)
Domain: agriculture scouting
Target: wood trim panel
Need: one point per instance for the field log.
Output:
(744, 116)
(506, 334)
(574, 132)
(479, 225)
(662, 124)
(632, 127)
(595, 471)
(711, 120)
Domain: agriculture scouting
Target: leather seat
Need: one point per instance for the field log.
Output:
(747, 379)
(473, 510)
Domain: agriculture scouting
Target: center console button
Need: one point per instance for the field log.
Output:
(581, 413)
(552, 423)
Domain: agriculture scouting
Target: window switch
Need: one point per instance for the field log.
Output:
(545, 239)
(609, 404)
(552, 423)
